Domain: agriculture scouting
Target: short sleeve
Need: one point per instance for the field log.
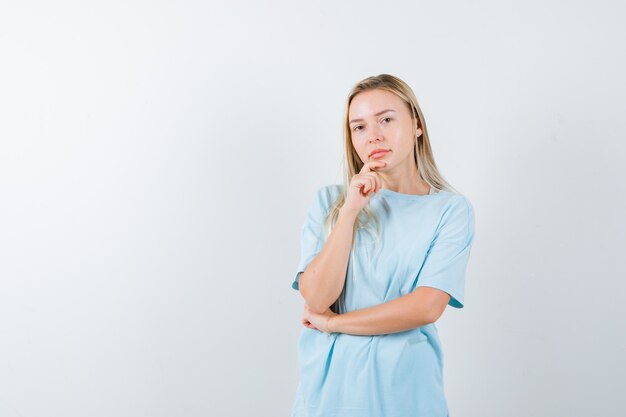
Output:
(312, 232)
(447, 257)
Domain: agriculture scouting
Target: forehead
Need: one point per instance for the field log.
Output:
(368, 103)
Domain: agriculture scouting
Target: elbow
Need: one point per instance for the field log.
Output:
(314, 305)
(422, 318)
(431, 317)
(317, 309)
(429, 304)
(313, 301)
(433, 314)
(425, 316)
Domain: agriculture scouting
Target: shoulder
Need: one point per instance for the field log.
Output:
(456, 211)
(327, 194)
(457, 202)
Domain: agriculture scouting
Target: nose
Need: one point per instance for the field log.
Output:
(375, 135)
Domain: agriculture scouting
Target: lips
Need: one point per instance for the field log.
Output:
(378, 153)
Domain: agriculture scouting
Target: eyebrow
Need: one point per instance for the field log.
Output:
(377, 114)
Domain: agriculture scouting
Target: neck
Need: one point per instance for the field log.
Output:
(405, 181)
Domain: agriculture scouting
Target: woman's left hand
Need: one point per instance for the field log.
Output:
(317, 321)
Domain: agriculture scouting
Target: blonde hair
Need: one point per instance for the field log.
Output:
(424, 160)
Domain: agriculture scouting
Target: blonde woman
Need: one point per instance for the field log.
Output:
(382, 255)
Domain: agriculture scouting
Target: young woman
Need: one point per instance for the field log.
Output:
(382, 256)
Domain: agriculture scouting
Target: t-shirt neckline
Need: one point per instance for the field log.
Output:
(395, 194)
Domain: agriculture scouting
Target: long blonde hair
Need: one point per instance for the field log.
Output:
(426, 166)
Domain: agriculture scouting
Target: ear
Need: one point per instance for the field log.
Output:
(418, 131)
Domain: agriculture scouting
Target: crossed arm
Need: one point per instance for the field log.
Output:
(420, 307)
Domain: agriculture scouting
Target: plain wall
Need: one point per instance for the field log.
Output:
(157, 159)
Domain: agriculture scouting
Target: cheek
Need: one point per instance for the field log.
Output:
(358, 147)
(407, 143)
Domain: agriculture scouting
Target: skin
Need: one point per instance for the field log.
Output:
(396, 170)
(395, 130)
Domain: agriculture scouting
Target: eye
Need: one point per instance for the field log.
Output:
(387, 118)
(356, 128)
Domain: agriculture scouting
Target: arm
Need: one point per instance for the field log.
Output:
(441, 283)
(323, 279)
(422, 306)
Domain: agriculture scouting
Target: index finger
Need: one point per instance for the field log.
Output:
(369, 166)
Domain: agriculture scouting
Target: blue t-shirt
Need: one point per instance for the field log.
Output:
(426, 241)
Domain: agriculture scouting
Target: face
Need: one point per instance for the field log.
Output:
(379, 119)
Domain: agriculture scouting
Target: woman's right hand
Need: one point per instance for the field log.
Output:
(362, 186)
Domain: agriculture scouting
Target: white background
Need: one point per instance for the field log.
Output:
(157, 159)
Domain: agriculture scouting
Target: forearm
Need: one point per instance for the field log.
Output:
(403, 313)
(323, 279)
